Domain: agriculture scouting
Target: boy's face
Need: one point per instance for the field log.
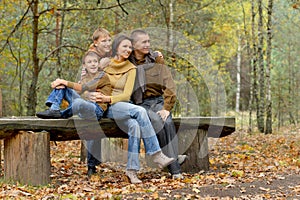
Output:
(103, 44)
(91, 64)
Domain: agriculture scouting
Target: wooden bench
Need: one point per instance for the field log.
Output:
(27, 142)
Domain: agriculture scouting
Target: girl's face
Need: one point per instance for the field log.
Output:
(103, 44)
(124, 50)
(91, 63)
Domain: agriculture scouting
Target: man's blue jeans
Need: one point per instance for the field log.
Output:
(134, 120)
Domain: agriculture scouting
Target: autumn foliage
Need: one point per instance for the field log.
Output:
(242, 166)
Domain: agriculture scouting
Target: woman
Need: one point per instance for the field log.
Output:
(131, 118)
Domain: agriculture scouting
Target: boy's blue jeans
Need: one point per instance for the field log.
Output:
(134, 120)
(85, 109)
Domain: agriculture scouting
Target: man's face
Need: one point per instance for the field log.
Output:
(142, 44)
(103, 44)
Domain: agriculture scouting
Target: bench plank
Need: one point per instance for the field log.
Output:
(76, 128)
(192, 136)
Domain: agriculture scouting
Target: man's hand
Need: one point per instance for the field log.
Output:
(159, 54)
(164, 114)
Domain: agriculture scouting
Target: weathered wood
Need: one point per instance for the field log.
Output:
(192, 133)
(27, 158)
(76, 128)
(83, 151)
(194, 144)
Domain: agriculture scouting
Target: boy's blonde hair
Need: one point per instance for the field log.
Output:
(100, 32)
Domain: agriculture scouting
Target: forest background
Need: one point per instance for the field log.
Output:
(248, 49)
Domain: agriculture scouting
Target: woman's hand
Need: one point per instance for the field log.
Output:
(98, 97)
(101, 98)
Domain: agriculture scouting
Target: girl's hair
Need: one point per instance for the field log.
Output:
(90, 53)
(100, 32)
(117, 41)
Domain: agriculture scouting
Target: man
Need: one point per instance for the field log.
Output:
(155, 90)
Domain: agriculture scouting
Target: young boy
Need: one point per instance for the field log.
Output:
(93, 81)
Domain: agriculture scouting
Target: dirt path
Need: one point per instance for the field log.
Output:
(285, 187)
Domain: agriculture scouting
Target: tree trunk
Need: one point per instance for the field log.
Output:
(268, 69)
(254, 66)
(32, 96)
(261, 102)
(60, 18)
(0, 140)
(238, 74)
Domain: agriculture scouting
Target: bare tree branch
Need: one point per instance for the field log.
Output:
(55, 50)
(89, 9)
(122, 7)
(16, 27)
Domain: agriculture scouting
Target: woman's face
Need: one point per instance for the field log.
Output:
(124, 50)
(91, 63)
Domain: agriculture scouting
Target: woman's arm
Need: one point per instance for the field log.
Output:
(125, 96)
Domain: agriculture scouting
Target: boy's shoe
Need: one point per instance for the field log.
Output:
(91, 170)
(177, 176)
(162, 160)
(49, 114)
(181, 159)
(133, 176)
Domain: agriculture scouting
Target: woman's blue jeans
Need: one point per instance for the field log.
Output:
(134, 120)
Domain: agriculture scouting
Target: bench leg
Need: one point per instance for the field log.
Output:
(194, 144)
(27, 158)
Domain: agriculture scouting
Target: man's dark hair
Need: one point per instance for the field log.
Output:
(137, 32)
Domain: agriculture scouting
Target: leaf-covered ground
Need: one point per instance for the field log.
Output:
(242, 166)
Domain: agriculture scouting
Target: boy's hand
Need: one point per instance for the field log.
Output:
(104, 62)
(58, 84)
(83, 72)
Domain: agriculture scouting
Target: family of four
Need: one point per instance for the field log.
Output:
(125, 81)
